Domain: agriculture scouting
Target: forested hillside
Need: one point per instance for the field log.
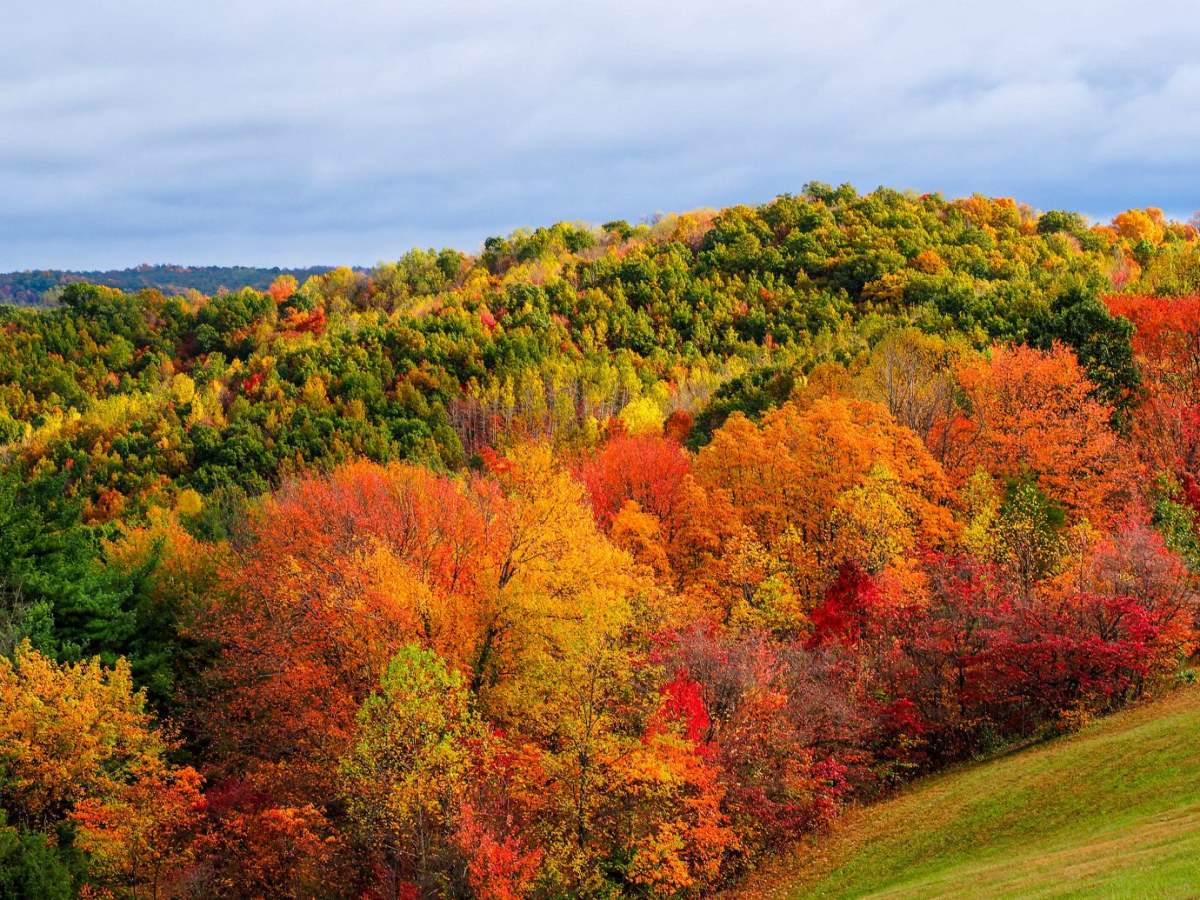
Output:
(42, 287)
(604, 562)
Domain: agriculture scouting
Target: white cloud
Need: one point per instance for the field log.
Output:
(309, 131)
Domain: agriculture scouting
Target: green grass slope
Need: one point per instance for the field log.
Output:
(1113, 811)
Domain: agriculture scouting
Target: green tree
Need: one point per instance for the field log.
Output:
(1102, 342)
(30, 866)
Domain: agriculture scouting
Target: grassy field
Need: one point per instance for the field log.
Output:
(1113, 811)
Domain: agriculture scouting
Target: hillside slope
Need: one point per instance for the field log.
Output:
(1113, 811)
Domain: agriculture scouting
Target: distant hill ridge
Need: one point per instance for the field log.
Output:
(36, 287)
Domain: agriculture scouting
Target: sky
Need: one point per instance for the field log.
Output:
(348, 131)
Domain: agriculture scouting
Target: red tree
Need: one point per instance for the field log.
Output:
(646, 468)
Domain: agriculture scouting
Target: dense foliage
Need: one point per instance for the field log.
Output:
(600, 563)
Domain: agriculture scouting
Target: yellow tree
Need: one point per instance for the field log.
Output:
(68, 732)
(872, 527)
(550, 577)
(77, 742)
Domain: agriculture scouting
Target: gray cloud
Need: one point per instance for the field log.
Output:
(309, 131)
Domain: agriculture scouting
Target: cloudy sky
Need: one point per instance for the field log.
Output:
(346, 131)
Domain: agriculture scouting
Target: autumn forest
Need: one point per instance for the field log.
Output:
(606, 561)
